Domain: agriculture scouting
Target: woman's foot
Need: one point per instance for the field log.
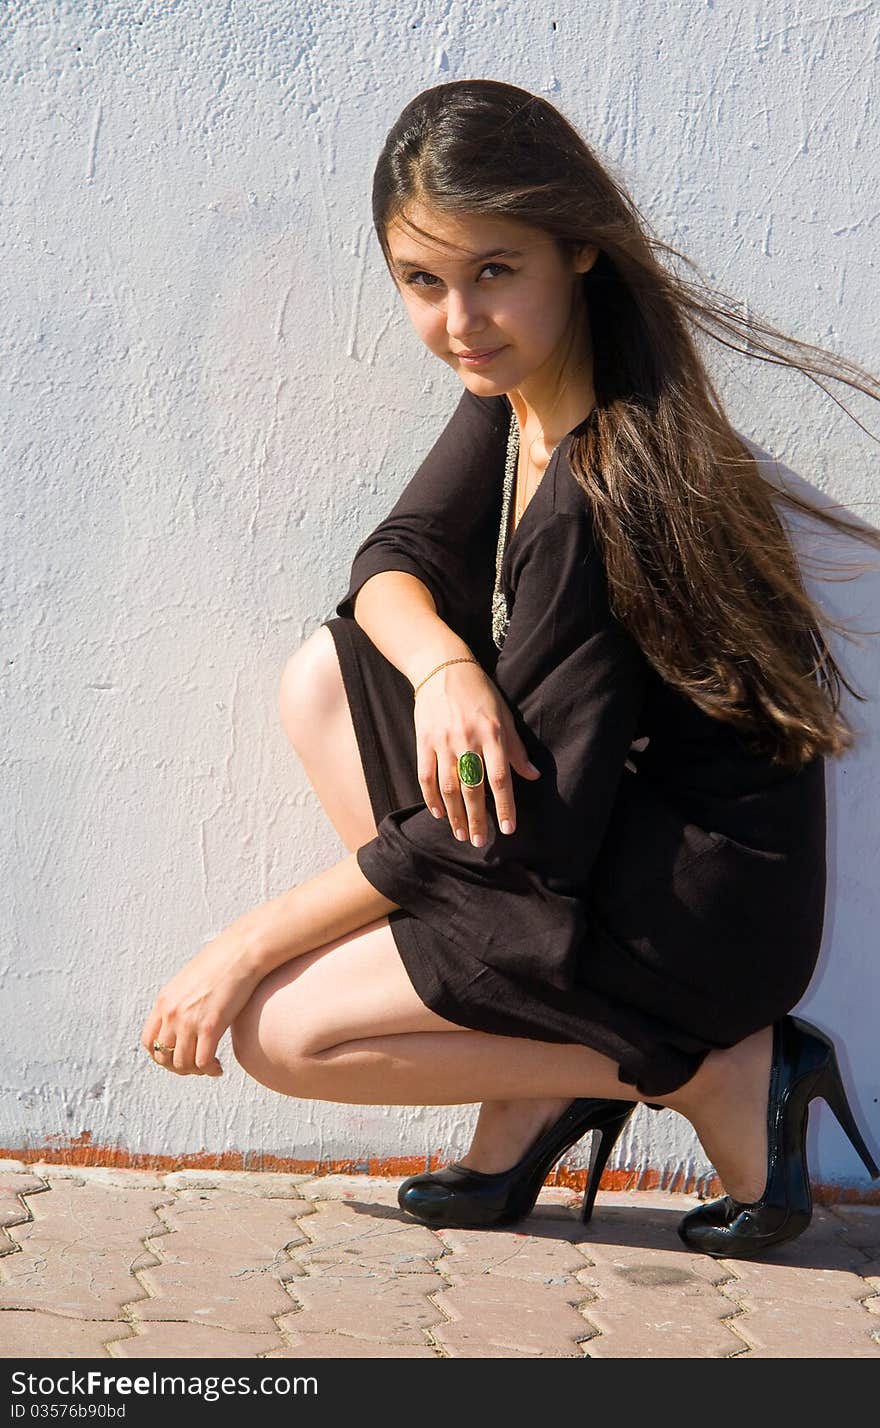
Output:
(804, 1066)
(506, 1129)
(726, 1103)
(464, 1196)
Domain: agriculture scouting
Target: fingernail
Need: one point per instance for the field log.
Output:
(506, 825)
(533, 768)
(460, 834)
(478, 840)
(436, 812)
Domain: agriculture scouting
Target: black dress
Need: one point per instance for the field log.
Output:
(654, 902)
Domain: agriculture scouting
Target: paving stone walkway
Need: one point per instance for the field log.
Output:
(125, 1264)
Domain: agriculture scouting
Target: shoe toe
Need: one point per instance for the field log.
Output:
(426, 1193)
(728, 1229)
(450, 1198)
(705, 1228)
(423, 1196)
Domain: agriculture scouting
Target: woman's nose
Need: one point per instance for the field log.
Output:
(463, 315)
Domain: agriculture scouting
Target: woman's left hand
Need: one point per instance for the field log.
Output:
(195, 1008)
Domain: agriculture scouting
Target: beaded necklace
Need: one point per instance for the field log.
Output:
(500, 618)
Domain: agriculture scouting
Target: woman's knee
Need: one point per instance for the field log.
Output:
(293, 1073)
(269, 1045)
(311, 682)
(285, 1026)
(354, 988)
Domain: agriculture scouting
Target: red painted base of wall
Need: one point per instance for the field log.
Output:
(80, 1151)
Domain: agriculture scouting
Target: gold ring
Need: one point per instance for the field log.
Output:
(157, 1046)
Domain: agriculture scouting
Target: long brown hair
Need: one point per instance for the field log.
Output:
(700, 568)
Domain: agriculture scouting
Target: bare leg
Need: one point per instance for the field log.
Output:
(726, 1101)
(315, 715)
(418, 1058)
(343, 1023)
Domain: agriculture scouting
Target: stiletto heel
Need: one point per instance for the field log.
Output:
(459, 1197)
(833, 1093)
(604, 1140)
(804, 1065)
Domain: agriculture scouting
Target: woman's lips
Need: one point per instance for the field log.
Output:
(478, 360)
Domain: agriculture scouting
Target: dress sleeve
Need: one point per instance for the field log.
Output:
(575, 682)
(437, 526)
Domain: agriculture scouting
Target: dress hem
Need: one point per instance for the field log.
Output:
(432, 992)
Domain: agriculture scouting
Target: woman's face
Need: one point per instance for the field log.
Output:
(506, 289)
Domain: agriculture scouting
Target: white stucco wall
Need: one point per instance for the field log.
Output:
(211, 394)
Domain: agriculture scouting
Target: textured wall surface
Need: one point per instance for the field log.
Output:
(211, 393)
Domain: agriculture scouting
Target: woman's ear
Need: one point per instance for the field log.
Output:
(585, 257)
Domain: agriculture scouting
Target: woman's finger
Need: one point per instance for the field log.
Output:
(163, 1039)
(150, 1033)
(205, 1055)
(501, 784)
(426, 770)
(182, 1057)
(475, 804)
(165, 1055)
(450, 790)
(187, 1055)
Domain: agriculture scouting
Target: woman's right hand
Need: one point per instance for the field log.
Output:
(460, 708)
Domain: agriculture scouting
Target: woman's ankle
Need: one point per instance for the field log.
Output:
(721, 1074)
(727, 1106)
(506, 1129)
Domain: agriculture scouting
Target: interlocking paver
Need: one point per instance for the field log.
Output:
(492, 1318)
(124, 1176)
(381, 1309)
(136, 1264)
(187, 1340)
(14, 1185)
(224, 1261)
(515, 1285)
(803, 1299)
(15, 1208)
(334, 1346)
(365, 1275)
(538, 1250)
(76, 1254)
(35, 1334)
(654, 1299)
(861, 1227)
(361, 1189)
(513, 1292)
(264, 1184)
(363, 1240)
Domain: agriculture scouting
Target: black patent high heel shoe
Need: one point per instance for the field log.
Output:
(459, 1197)
(804, 1065)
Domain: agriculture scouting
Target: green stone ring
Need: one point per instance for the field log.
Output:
(470, 769)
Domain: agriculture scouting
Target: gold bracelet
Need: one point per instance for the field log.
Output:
(462, 659)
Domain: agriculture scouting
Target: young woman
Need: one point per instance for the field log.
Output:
(587, 585)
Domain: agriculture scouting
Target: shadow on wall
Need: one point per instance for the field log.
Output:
(845, 989)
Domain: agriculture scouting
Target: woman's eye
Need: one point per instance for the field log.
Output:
(431, 279)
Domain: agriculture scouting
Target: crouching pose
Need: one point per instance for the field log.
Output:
(570, 719)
